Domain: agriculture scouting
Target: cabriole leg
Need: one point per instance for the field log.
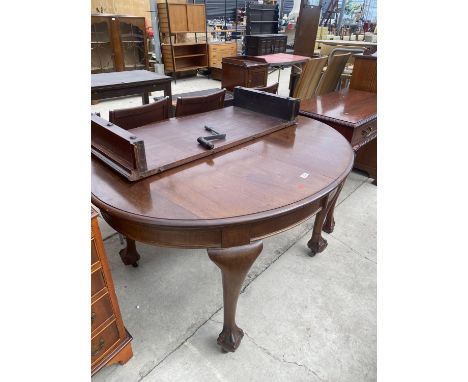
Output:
(317, 243)
(234, 263)
(129, 254)
(329, 224)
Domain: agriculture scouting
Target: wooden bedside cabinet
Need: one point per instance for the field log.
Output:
(110, 341)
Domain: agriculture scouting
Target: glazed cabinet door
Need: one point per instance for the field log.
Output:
(102, 50)
(133, 43)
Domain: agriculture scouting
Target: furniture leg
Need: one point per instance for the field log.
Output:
(317, 243)
(129, 254)
(329, 224)
(145, 98)
(168, 90)
(234, 263)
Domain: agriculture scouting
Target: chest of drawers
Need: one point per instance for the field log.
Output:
(354, 114)
(110, 341)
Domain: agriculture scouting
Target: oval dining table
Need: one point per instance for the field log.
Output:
(230, 201)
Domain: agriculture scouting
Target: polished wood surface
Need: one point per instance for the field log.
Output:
(110, 342)
(354, 114)
(230, 201)
(117, 84)
(348, 106)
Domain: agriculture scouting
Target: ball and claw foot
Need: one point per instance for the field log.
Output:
(230, 338)
(317, 247)
(129, 256)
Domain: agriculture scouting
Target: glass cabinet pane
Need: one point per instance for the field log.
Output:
(101, 48)
(133, 45)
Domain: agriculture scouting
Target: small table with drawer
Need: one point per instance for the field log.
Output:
(110, 341)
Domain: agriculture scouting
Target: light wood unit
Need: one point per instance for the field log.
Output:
(110, 342)
(175, 21)
(218, 50)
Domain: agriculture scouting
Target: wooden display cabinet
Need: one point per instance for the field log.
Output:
(118, 43)
(175, 21)
(110, 341)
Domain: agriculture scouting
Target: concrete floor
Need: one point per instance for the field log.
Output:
(305, 319)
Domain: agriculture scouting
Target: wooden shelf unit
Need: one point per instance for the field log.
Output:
(176, 19)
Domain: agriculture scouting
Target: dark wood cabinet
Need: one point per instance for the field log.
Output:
(118, 43)
(240, 71)
(261, 44)
(261, 18)
(110, 341)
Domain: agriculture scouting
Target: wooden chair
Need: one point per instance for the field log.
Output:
(309, 79)
(201, 104)
(270, 88)
(133, 117)
(332, 75)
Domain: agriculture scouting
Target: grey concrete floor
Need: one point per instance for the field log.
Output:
(305, 319)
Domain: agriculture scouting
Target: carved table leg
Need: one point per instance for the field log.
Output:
(234, 263)
(329, 224)
(317, 243)
(129, 254)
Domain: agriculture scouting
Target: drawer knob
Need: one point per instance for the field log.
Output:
(98, 348)
(93, 316)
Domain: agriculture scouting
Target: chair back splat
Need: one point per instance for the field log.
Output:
(201, 104)
(131, 118)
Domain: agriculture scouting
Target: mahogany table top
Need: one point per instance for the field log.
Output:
(270, 176)
(347, 42)
(348, 107)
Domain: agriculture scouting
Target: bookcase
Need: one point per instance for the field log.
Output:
(176, 20)
(118, 43)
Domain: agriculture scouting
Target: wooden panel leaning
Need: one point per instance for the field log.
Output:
(332, 75)
(175, 141)
(133, 117)
(200, 104)
(309, 79)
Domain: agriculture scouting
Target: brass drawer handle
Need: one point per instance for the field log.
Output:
(367, 132)
(98, 348)
(93, 316)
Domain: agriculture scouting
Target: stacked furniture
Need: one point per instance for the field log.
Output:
(110, 341)
(262, 31)
(175, 21)
(118, 43)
